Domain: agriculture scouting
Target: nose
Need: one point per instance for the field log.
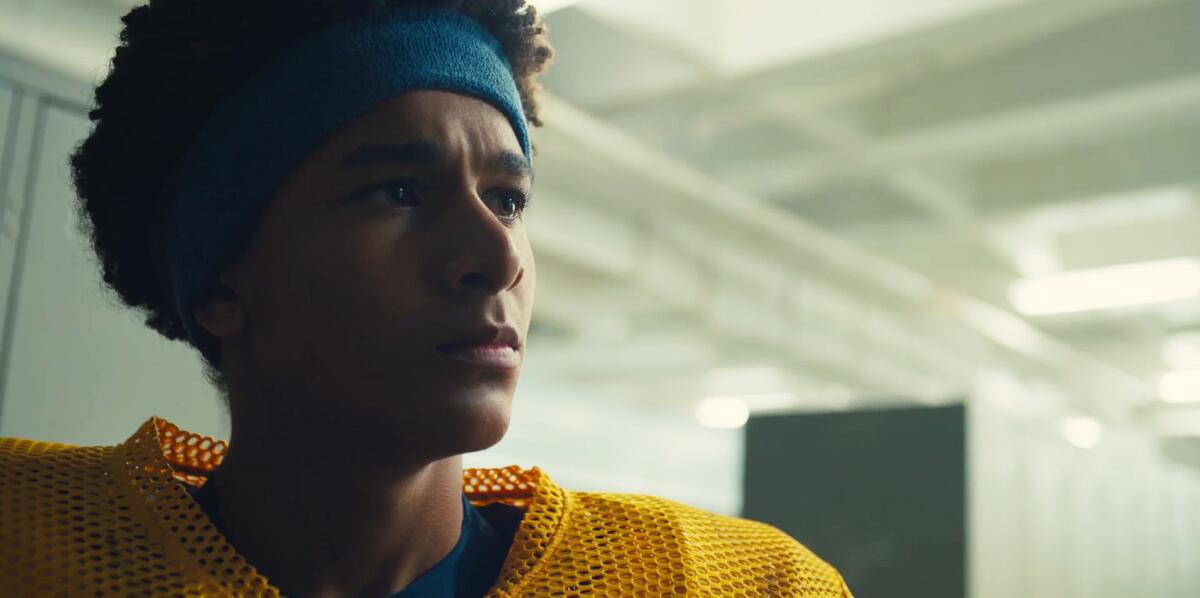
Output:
(483, 255)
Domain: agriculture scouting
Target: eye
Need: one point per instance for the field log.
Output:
(510, 202)
(393, 193)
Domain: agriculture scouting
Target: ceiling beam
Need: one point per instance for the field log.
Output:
(887, 61)
(1068, 123)
(1145, 160)
(1134, 242)
(1126, 49)
(947, 203)
(798, 242)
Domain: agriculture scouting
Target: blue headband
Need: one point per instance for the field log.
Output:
(256, 137)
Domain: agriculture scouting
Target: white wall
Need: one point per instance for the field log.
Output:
(79, 370)
(1049, 519)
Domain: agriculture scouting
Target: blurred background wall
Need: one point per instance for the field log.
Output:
(766, 207)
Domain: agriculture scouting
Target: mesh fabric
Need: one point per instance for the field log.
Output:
(118, 520)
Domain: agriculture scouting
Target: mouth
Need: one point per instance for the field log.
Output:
(494, 347)
(502, 357)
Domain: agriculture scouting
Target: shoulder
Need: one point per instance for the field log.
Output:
(715, 553)
(17, 454)
(20, 458)
(41, 483)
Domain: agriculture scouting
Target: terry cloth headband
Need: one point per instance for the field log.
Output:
(257, 136)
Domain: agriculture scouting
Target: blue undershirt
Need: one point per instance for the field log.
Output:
(470, 569)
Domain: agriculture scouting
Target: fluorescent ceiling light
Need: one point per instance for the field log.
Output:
(722, 412)
(1083, 432)
(1182, 351)
(1107, 288)
(1180, 386)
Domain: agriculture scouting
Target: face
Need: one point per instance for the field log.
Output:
(403, 233)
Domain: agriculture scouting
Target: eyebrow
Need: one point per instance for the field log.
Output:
(513, 163)
(413, 152)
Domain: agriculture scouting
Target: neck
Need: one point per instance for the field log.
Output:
(319, 523)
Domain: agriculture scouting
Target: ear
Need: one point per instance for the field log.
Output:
(221, 313)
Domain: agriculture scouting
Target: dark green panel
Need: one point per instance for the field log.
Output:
(881, 495)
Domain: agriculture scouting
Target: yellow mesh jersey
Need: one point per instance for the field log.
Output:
(118, 520)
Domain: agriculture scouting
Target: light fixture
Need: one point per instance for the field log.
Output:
(1180, 386)
(1081, 431)
(722, 412)
(1107, 288)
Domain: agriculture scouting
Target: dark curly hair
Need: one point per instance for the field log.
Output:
(177, 59)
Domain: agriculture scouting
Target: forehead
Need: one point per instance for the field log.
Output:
(457, 122)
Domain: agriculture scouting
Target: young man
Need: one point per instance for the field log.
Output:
(325, 198)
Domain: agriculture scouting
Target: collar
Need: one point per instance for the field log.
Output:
(160, 458)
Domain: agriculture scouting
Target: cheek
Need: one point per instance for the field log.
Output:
(353, 275)
(303, 275)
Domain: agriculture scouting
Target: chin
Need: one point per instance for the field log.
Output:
(477, 424)
(458, 423)
(459, 420)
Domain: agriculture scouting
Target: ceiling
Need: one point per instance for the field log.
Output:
(968, 143)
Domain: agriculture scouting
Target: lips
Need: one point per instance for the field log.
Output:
(495, 347)
(488, 335)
